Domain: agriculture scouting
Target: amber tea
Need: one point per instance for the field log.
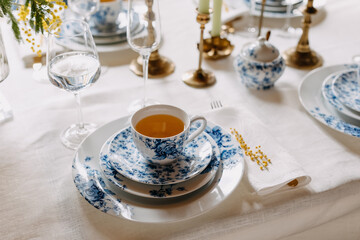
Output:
(160, 126)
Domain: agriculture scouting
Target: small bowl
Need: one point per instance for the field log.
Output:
(259, 65)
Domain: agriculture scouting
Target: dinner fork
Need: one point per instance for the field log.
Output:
(216, 104)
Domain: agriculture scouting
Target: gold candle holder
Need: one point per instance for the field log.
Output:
(301, 56)
(159, 66)
(217, 48)
(200, 78)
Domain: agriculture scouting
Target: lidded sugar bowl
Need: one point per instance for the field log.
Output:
(259, 64)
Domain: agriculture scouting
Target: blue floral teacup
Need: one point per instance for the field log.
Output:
(163, 150)
(106, 18)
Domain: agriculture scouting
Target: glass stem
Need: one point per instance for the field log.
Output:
(287, 19)
(80, 116)
(145, 58)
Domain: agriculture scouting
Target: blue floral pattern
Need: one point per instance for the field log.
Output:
(159, 150)
(129, 162)
(107, 198)
(336, 123)
(333, 100)
(159, 191)
(258, 75)
(310, 94)
(93, 189)
(346, 87)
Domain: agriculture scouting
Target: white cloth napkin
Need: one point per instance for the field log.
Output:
(283, 169)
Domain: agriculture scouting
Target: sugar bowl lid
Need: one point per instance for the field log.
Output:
(260, 50)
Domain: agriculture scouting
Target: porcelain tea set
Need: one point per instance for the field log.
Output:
(259, 64)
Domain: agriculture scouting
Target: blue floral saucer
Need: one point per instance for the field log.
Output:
(129, 162)
(346, 87)
(158, 191)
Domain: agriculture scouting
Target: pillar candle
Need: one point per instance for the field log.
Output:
(203, 6)
(216, 19)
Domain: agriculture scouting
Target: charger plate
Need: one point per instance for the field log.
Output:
(310, 96)
(161, 191)
(109, 199)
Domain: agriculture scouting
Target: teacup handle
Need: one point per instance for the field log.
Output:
(197, 131)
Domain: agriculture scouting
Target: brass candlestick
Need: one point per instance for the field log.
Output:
(217, 48)
(159, 66)
(301, 56)
(200, 78)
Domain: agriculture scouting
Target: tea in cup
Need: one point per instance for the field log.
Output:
(106, 19)
(160, 132)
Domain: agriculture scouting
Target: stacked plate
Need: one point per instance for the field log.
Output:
(279, 6)
(112, 175)
(332, 95)
(114, 35)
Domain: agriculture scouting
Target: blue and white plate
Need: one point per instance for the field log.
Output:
(112, 200)
(159, 191)
(346, 87)
(128, 161)
(310, 95)
(332, 99)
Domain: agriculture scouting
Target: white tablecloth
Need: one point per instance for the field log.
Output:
(39, 200)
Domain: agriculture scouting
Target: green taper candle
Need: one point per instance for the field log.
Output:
(216, 19)
(203, 6)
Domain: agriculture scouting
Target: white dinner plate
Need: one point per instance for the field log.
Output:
(310, 96)
(112, 200)
(161, 191)
(332, 99)
(346, 87)
(129, 162)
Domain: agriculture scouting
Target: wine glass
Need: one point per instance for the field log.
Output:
(85, 8)
(287, 30)
(73, 68)
(250, 30)
(5, 110)
(146, 41)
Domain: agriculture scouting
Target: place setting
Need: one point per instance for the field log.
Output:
(122, 172)
(107, 21)
(330, 94)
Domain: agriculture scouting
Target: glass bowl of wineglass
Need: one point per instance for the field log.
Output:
(5, 109)
(73, 68)
(85, 8)
(144, 42)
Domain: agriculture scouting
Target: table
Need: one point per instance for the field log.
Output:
(39, 200)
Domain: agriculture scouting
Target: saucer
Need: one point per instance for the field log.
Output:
(128, 161)
(332, 99)
(346, 88)
(158, 191)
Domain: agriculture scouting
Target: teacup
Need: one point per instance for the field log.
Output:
(160, 132)
(105, 19)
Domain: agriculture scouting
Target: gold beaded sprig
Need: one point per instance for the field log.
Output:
(258, 156)
(47, 12)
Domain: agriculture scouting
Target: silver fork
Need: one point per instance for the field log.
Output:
(216, 104)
